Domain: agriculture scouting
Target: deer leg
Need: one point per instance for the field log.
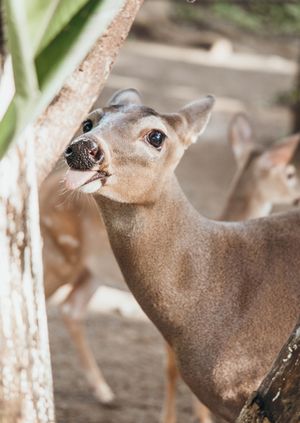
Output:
(169, 408)
(202, 413)
(74, 310)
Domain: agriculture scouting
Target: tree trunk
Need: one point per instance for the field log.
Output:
(26, 383)
(278, 397)
(25, 372)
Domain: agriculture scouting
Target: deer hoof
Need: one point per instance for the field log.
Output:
(104, 395)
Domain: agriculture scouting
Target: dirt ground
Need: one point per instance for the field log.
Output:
(130, 351)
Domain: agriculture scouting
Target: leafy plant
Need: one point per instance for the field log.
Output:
(47, 39)
(260, 16)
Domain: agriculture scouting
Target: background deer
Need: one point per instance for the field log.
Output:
(264, 178)
(75, 251)
(218, 292)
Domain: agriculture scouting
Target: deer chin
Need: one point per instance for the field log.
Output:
(87, 181)
(91, 187)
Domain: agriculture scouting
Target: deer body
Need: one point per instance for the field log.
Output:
(75, 252)
(201, 287)
(224, 295)
(244, 208)
(264, 177)
(74, 236)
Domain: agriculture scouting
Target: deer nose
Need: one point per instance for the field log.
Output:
(83, 154)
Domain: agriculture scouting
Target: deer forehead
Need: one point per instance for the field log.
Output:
(132, 124)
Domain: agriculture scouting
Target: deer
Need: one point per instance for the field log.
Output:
(69, 227)
(71, 252)
(264, 178)
(219, 292)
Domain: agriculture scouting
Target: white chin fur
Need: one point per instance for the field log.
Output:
(91, 187)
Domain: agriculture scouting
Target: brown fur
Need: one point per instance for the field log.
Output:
(205, 293)
(73, 236)
(218, 292)
(264, 178)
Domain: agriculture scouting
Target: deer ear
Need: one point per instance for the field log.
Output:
(240, 137)
(281, 153)
(125, 98)
(193, 119)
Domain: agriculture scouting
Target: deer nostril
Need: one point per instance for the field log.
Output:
(83, 154)
(68, 152)
(95, 152)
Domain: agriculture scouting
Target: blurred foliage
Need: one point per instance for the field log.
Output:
(288, 98)
(260, 16)
(47, 39)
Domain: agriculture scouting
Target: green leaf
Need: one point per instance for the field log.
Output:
(20, 47)
(57, 52)
(39, 14)
(8, 127)
(61, 17)
(47, 40)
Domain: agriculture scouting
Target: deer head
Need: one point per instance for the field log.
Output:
(265, 172)
(127, 151)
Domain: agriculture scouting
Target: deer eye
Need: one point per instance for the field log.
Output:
(290, 174)
(156, 138)
(87, 125)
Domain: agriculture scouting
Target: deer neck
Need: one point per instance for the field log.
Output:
(147, 241)
(245, 201)
(244, 208)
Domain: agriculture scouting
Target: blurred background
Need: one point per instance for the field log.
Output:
(247, 54)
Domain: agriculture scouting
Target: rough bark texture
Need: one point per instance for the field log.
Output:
(25, 372)
(80, 92)
(278, 397)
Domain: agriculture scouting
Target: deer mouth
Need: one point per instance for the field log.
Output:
(86, 180)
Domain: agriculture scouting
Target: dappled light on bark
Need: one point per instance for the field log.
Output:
(26, 383)
(277, 399)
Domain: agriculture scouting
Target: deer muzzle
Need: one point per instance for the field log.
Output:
(84, 154)
(84, 158)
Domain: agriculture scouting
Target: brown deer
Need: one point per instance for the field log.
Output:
(74, 234)
(264, 178)
(75, 252)
(218, 292)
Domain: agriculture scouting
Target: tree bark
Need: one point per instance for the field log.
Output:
(25, 374)
(278, 397)
(25, 371)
